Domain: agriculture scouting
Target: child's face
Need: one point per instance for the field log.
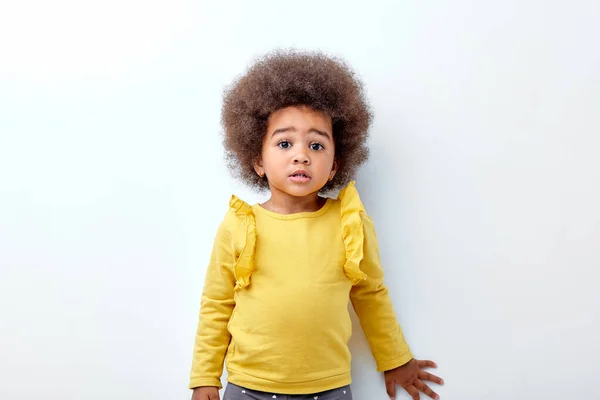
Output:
(298, 151)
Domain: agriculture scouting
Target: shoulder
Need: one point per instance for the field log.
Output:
(352, 208)
(237, 218)
(350, 203)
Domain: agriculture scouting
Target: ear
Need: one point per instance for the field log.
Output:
(334, 169)
(258, 166)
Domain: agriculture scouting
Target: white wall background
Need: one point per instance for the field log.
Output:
(484, 183)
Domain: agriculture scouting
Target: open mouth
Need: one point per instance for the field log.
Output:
(300, 177)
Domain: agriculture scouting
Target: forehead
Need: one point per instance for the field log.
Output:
(299, 117)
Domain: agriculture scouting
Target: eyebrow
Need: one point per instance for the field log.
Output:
(292, 129)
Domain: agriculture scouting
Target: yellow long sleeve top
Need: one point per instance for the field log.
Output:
(275, 301)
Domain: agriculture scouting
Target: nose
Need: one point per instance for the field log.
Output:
(301, 159)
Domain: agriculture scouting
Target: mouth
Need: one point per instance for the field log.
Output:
(300, 176)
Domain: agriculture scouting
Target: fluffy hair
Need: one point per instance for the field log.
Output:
(286, 78)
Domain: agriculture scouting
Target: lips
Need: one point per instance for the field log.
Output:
(300, 174)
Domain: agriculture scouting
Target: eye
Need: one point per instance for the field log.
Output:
(284, 144)
(316, 146)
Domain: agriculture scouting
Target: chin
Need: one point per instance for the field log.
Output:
(300, 190)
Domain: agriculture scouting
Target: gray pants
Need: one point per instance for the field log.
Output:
(234, 392)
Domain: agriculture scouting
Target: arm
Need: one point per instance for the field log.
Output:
(374, 309)
(212, 337)
(373, 306)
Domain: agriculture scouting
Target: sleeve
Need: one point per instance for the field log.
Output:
(373, 306)
(212, 336)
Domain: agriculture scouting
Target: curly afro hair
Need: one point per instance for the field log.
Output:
(286, 78)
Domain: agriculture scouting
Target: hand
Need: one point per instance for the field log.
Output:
(411, 376)
(205, 393)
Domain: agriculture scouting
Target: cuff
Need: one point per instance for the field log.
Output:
(205, 381)
(387, 365)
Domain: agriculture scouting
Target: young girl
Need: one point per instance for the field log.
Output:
(275, 301)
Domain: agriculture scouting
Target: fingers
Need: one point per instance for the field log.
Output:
(426, 376)
(413, 392)
(426, 389)
(390, 388)
(209, 396)
(206, 393)
(426, 364)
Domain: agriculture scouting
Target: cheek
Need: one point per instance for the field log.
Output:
(325, 164)
(329, 159)
(273, 158)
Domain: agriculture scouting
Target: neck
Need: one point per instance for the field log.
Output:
(283, 203)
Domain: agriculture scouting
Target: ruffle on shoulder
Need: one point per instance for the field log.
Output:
(246, 239)
(353, 234)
